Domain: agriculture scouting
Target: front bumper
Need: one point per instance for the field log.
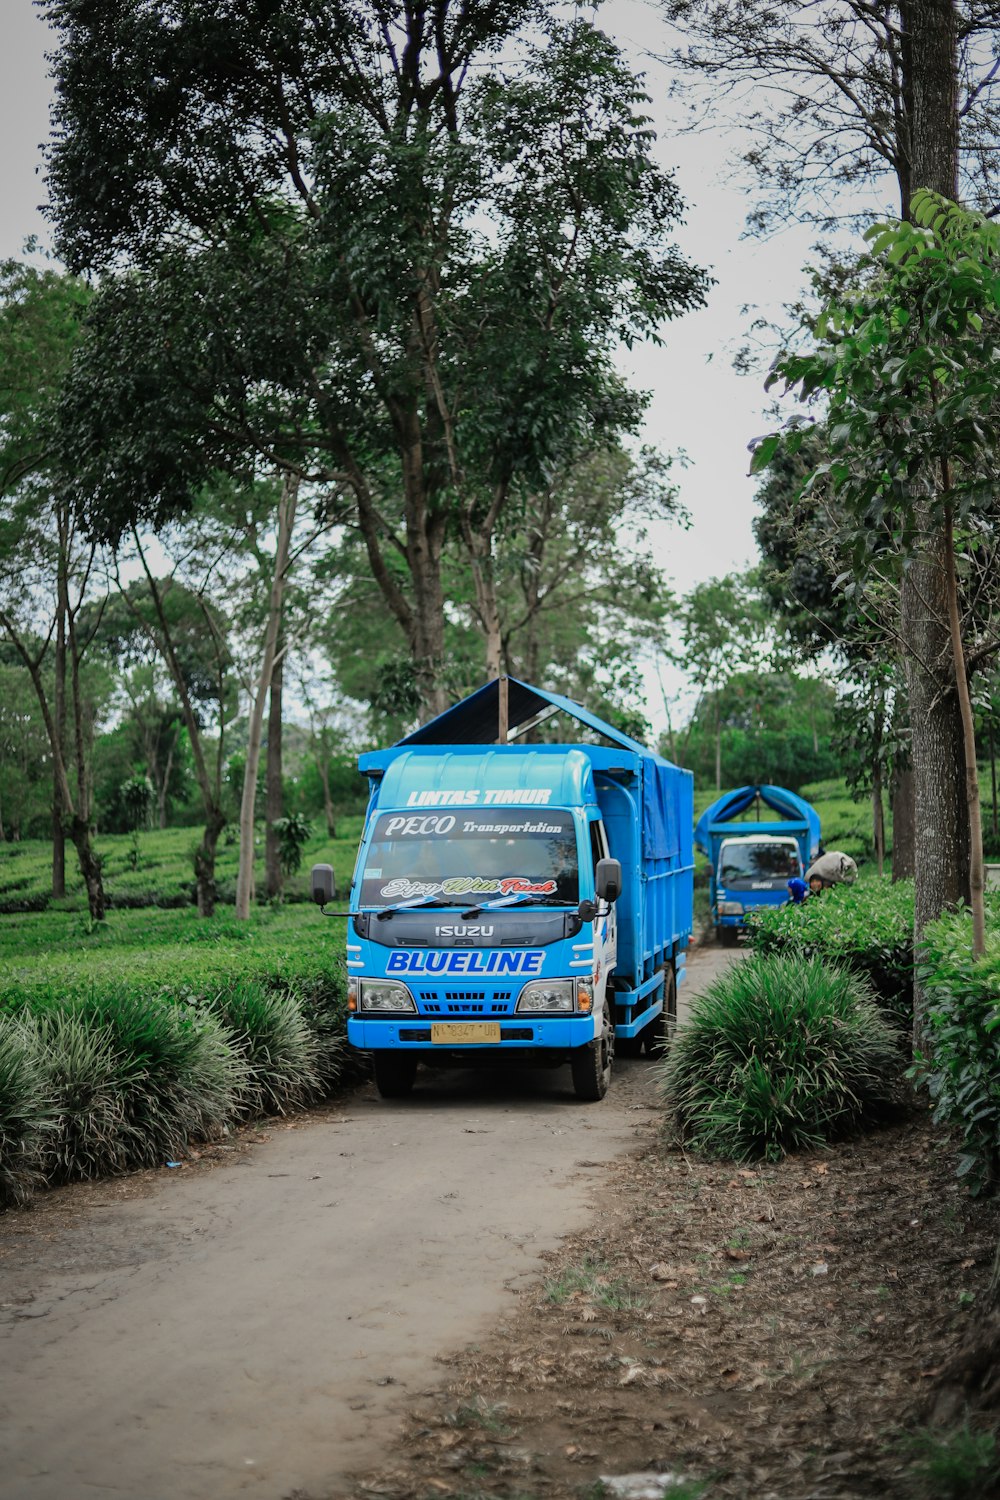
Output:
(559, 1033)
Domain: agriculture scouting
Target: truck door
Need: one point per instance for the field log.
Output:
(605, 928)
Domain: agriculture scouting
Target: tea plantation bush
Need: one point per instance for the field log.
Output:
(780, 1054)
(122, 1042)
(963, 1074)
(868, 927)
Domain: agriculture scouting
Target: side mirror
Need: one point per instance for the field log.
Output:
(608, 879)
(324, 884)
(587, 911)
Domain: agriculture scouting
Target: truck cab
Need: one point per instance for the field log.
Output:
(753, 871)
(751, 861)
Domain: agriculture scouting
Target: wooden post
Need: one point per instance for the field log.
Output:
(502, 702)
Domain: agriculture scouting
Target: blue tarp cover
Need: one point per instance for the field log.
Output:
(660, 834)
(786, 804)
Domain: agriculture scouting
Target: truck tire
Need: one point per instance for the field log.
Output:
(394, 1074)
(728, 936)
(592, 1064)
(660, 1033)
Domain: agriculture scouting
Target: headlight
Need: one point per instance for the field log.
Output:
(547, 995)
(730, 908)
(385, 995)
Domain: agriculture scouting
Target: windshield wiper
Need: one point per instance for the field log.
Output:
(516, 899)
(384, 912)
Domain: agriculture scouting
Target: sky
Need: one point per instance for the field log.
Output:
(698, 403)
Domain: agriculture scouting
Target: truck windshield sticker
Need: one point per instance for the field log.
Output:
(462, 855)
(466, 885)
(465, 961)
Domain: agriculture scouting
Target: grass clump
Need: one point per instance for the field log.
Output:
(780, 1054)
(279, 1050)
(88, 1081)
(26, 1112)
(179, 1077)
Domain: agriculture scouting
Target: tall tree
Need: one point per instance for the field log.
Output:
(864, 90)
(415, 259)
(47, 567)
(831, 98)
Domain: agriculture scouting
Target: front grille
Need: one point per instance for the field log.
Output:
(465, 1002)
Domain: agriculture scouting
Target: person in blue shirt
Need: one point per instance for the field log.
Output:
(797, 889)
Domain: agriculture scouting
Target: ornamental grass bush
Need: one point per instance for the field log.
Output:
(26, 1112)
(867, 927)
(154, 1030)
(88, 1080)
(962, 1072)
(780, 1054)
(180, 1077)
(279, 1050)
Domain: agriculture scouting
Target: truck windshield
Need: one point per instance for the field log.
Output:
(747, 861)
(477, 855)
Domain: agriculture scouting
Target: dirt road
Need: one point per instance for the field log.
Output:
(260, 1328)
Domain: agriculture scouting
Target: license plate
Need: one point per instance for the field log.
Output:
(458, 1033)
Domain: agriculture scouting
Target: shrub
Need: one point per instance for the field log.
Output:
(279, 1049)
(780, 1054)
(963, 1018)
(25, 1110)
(180, 1077)
(868, 927)
(88, 1083)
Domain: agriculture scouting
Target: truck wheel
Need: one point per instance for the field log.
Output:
(728, 936)
(591, 1064)
(394, 1074)
(660, 1033)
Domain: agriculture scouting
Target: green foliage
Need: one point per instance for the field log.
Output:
(868, 927)
(906, 363)
(164, 878)
(87, 1077)
(180, 1080)
(133, 1037)
(780, 1054)
(26, 1113)
(960, 1464)
(294, 832)
(964, 1036)
(278, 1048)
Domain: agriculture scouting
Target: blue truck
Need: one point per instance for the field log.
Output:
(516, 901)
(751, 862)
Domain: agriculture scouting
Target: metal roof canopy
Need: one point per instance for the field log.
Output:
(476, 720)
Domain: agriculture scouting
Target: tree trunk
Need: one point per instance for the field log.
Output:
(878, 814)
(993, 784)
(718, 747)
(90, 868)
(204, 864)
(286, 522)
(161, 795)
(940, 821)
(941, 837)
(275, 807)
(59, 713)
(902, 824)
(977, 883)
(323, 767)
